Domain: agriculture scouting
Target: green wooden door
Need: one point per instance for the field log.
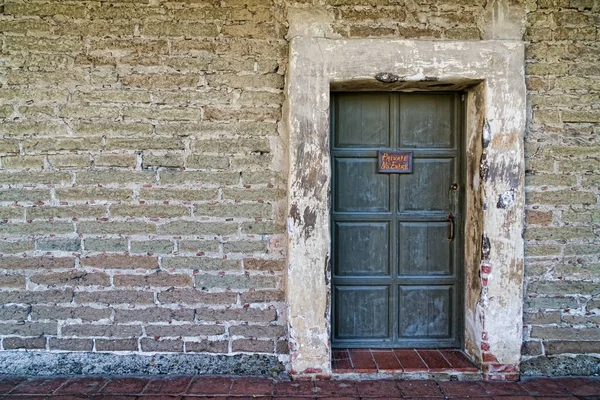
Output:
(397, 238)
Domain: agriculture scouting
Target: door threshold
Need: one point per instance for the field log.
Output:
(439, 364)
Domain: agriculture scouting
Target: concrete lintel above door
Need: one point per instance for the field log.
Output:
(492, 73)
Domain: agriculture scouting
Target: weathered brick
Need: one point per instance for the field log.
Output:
(113, 331)
(198, 246)
(541, 250)
(70, 344)
(169, 160)
(210, 178)
(70, 161)
(178, 194)
(26, 162)
(112, 129)
(116, 344)
(9, 146)
(538, 217)
(253, 194)
(207, 162)
(65, 313)
(153, 315)
(115, 228)
(162, 113)
(256, 210)
(262, 296)
(184, 330)
(153, 247)
(561, 197)
(108, 245)
(71, 278)
(207, 346)
(252, 346)
(268, 81)
(110, 297)
(35, 43)
(161, 81)
(232, 146)
(155, 143)
(8, 313)
(47, 9)
(262, 228)
(258, 331)
(20, 195)
(28, 329)
(113, 261)
(58, 244)
(236, 281)
(12, 213)
(556, 303)
(35, 178)
(158, 279)
(246, 113)
(13, 343)
(116, 160)
(114, 177)
(36, 262)
(531, 348)
(94, 193)
(555, 332)
(149, 211)
(193, 228)
(162, 345)
(71, 212)
(241, 314)
(201, 263)
(263, 265)
(62, 144)
(245, 247)
(37, 297)
(562, 233)
(193, 296)
(12, 281)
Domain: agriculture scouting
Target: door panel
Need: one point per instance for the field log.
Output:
(423, 249)
(367, 191)
(362, 312)
(362, 249)
(363, 121)
(427, 121)
(426, 311)
(396, 267)
(429, 185)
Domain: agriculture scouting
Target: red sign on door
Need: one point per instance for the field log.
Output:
(395, 162)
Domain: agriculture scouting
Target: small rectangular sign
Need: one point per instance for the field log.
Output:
(395, 162)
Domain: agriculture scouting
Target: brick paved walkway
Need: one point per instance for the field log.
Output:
(245, 388)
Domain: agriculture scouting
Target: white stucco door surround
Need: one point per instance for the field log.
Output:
(491, 73)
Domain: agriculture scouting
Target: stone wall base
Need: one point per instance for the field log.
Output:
(563, 365)
(28, 363)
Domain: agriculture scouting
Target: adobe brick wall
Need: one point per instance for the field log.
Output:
(143, 177)
(140, 184)
(562, 305)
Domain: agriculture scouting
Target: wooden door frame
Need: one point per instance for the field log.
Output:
(492, 75)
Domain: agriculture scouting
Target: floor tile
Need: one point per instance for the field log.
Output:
(39, 386)
(458, 389)
(173, 386)
(341, 366)
(458, 361)
(581, 386)
(386, 361)
(252, 386)
(378, 389)
(340, 354)
(335, 389)
(362, 361)
(544, 387)
(427, 388)
(434, 360)
(8, 384)
(126, 386)
(81, 386)
(504, 389)
(410, 360)
(286, 389)
(210, 385)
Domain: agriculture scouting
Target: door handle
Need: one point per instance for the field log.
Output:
(450, 218)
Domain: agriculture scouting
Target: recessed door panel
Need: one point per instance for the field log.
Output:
(425, 311)
(363, 121)
(429, 185)
(363, 248)
(424, 249)
(362, 312)
(427, 121)
(358, 187)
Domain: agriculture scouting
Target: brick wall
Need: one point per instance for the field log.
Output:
(562, 304)
(141, 196)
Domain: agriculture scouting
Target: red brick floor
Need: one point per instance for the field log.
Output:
(256, 388)
(390, 361)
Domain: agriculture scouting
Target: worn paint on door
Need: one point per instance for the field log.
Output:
(397, 238)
